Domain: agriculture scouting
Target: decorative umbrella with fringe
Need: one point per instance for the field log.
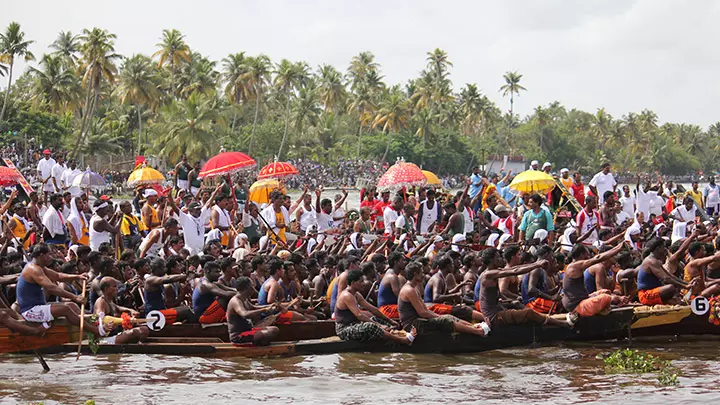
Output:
(401, 174)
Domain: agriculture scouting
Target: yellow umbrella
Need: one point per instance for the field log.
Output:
(261, 189)
(432, 179)
(145, 176)
(532, 181)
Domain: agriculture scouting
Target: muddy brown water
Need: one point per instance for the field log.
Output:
(561, 374)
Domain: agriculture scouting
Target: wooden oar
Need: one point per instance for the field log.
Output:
(39, 356)
(82, 320)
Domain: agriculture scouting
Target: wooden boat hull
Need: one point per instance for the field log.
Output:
(291, 332)
(595, 328)
(60, 333)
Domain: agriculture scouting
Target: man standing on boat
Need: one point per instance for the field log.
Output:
(181, 174)
(603, 181)
(36, 280)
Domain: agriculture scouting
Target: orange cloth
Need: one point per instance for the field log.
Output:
(595, 304)
(390, 311)
(283, 319)
(541, 305)
(170, 315)
(650, 297)
(213, 314)
(441, 309)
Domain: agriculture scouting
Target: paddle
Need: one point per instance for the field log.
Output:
(82, 320)
(39, 356)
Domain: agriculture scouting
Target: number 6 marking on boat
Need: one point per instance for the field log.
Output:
(155, 320)
(700, 305)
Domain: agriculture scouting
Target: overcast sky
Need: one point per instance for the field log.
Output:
(621, 54)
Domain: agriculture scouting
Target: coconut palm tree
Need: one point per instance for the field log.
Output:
(67, 46)
(197, 76)
(236, 87)
(288, 77)
(138, 85)
(306, 108)
(392, 116)
(173, 52)
(54, 85)
(257, 76)
(601, 127)
(332, 88)
(362, 103)
(13, 45)
(512, 87)
(361, 67)
(98, 63)
(189, 126)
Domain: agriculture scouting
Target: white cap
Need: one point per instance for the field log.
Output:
(492, 239)
(149, 192)
(438, 239)
(540, 234)
(534, 163)
(546, 164)
(564, 170)
(459, 237)
(503, 239)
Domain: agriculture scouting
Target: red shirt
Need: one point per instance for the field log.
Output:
(370, 204)
(578, 191)
(379, 208)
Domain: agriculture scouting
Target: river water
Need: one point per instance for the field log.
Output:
(561, 374)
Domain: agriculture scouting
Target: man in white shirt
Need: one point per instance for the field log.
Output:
(711, 197)
(627, 201)
(339, 213)
(325, 221)
(57, 172)
(683, 217)
(44, 172)
(55, 232)
(68, 177)
(391, 214)
(603, 181)
(588, 219)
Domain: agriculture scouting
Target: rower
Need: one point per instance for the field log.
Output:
(210, 299)
(510, 286)
(436, 294)
(537, 286)
(154, 300)
(258, 276)
(271, 292)
(154, 242)
(340, 282)
(35, 280)
(242, 315)
(576, 298)
(415, 316)
(391, 284)
(600, 275)
(489, 293)
(291, 289)
(105, 305)
(656, 285)
(353, 320)
(105, 268)
(695, 270)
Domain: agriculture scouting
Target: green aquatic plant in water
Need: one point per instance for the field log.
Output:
(633, 361)
(93, 340)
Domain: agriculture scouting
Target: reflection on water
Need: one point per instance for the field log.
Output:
(559, 374)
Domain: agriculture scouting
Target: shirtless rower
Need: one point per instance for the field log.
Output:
(245, 320)
(489, 293)
(695, 270)
(105, 305)
(437, 296)
(35, 280)
(576, 299)
(210, 298)
(340, 282)
(353, 320)
(415, 316)
(271, 292)
(656, 285)
(600, 276)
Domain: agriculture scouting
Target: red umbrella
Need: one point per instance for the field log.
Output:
(277, 170)
(8, 177)
(401, 174)
(227, 163)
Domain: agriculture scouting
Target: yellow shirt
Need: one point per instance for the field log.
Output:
(20, 231)
(131, 220)
(698, 197)
(153, 217)
(85, 240)
(280, 220)
(567, 182)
